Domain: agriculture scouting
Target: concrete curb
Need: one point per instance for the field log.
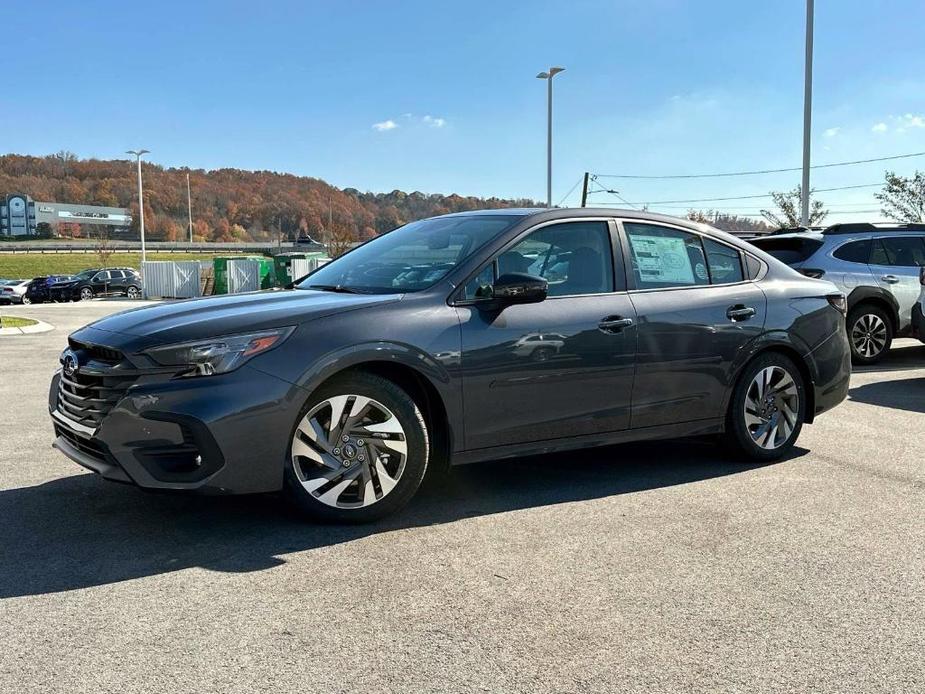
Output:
(39, 327)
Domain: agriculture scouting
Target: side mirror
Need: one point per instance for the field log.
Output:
(519, 288)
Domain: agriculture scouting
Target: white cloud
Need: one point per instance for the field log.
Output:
(880, 128)
(909, 120)
(385, 125)
(830, 132)
(434, 122)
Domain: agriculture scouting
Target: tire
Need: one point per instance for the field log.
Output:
(132, 293)
(761, 432)
(26, 300)
(339, 482)
(86, 293)
(870, 333)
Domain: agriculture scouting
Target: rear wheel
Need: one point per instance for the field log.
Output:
(870, 333)
(767, 409)
(132, 293)
(358, 452)
(26, 300)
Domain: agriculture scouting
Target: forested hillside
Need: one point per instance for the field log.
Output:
(228, 204)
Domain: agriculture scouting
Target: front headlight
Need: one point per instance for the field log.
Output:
(220, 354)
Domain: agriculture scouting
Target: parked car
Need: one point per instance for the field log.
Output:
(117, 281)
(876, 265)
(347, 388)
(918, 310)
(14, 292)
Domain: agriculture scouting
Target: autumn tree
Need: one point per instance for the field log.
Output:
(902, 198)
(788, 212)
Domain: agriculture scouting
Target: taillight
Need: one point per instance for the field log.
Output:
(838, 302)
(815, 274)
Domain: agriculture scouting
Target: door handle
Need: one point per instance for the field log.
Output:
(614, 324)
(739, 312)
(890, 279)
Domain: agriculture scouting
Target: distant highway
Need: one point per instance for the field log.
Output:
(155, 246)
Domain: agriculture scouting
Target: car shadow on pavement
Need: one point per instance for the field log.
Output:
(81, 531)
(906, 394)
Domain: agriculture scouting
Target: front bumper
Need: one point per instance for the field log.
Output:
(226, 434)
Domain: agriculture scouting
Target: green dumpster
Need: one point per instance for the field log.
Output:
(220, 264)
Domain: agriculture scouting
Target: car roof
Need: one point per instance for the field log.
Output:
(542, 213)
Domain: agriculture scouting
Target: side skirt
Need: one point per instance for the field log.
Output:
(666, 431)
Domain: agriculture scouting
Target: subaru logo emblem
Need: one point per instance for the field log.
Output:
(69, 360)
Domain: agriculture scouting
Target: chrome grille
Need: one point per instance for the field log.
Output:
(87, 396)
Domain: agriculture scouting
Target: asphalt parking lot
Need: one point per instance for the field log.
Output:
(652, 567)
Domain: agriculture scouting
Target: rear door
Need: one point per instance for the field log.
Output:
(696, 310)
(895, 262)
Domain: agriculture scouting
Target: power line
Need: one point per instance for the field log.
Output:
(765, 171)
(571, 190)
(738, 197)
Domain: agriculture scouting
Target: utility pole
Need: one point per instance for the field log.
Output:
(584, 191)
(141, 200)
(189, 207)
(807, 111)
(553, 71)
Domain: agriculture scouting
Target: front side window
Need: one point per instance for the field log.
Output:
(904, 251)
(573, 257)
(411, 258)
(664, 257)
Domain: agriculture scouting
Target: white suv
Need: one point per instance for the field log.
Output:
(878, 268)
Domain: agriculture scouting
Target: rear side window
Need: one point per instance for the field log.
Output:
(664, 257)
(854, 252)
(724, 262)
(899, 251)
(790, 250)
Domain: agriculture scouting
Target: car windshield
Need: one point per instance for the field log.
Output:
(409, 259)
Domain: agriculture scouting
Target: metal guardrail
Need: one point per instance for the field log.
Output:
(156, 247)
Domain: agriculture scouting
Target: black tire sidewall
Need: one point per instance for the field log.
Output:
(737, 435)
(416, 436)
(853, 318)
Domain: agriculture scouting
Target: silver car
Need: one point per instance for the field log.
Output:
(877, 266)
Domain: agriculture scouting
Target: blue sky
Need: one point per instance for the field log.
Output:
(655, 87)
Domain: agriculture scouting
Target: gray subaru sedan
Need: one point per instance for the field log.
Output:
(462, 338)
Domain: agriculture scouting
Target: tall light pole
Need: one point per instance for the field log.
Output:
(553, 71)
(807, 111)
(141, 201)
(189, 207)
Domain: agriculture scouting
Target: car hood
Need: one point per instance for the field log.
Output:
(195, 319)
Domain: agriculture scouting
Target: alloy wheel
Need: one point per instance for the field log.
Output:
(132, 292)
(349, 451)
(86, 294)
(26, 300)
(772, 405)
(868, 335)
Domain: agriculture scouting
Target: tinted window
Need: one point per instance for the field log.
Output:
(790, 250)
(900, 251)
(754, 266)
(115, 274)
(574, 257)
(725, 262)
(101, 276)
(412, 257)
(664, 257)
(854, 252)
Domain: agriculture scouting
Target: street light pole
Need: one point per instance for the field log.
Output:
(553, 71)
(141, 200)
(189, 207)
(807, 112)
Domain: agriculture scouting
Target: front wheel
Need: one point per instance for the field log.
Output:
(358, 451)
(86, 294)
(767, 409)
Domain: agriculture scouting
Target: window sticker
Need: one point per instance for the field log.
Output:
(661, 259)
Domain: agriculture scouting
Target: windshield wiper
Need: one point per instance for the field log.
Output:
(339, 288)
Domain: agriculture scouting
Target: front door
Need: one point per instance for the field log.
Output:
(695, 312)
(562, 367)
